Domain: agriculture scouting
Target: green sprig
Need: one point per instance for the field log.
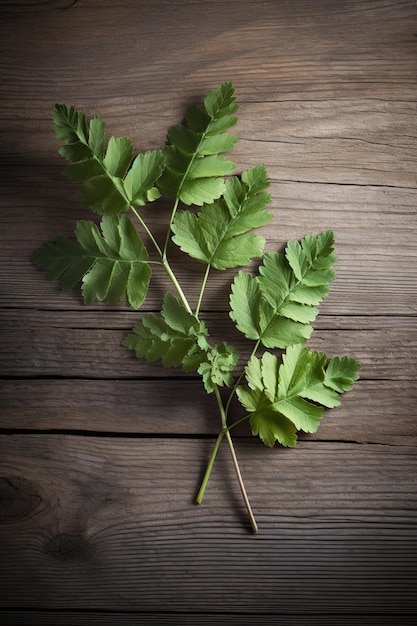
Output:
(274, 308)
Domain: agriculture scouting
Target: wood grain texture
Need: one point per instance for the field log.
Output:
(81, 618)
(101, 454)
(88, 517)
(380, 411)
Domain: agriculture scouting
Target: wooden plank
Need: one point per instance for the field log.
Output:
(110, 524)
(358, 159)
(374, 227)
(84, 618)
(374, 412)
(46, 343)
(371, 219)
(304, 50)
(99, 526)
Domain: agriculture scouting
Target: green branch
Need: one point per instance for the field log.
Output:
(280, 394)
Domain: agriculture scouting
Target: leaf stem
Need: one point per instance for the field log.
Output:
(237, 422)
(164, 261)
(222, 433)
(147, 230)
(225, 433)
(212, 458)
(174, 210)
(237, 383)
(241, 483)
(203, 287)
(177, 199)
(221, 408)
(176, 284)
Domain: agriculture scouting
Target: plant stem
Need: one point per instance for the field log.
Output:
(221, 408)
(225, 433)
(203, 287)
(237, 383)
(147, 230)
(223, 412)
(164, 261)
(177, 199)
(222, 433)
(174, 210)
(241, 483)
(212, 458)
(237, 422)
(176, 284)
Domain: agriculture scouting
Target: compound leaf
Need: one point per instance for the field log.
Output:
(291, 396)
(112, 182)
(112, 264)
(258, 319)
(169, 337)
(277, 306)
(218, 235)
(195, 164)
(179, 338)
(214, 365)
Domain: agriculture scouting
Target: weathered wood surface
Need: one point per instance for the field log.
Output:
(102, 517)
(101, 454)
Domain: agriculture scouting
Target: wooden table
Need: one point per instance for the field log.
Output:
(101, 453)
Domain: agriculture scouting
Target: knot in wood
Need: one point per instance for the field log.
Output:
(19, 499)
(69, 547)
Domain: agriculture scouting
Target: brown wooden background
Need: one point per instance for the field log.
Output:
(101, 454)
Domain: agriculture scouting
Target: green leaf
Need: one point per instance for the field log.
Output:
(179, 338)
(63, 259)
(70, 125)
(271, 427)
(303, 274)
(169, 337)
(195, 164)
(71, 128)
(218, 234)
(216, 366)
(112, 264)
(112, 182)
(184, 140)
(215, 144)
(258, 319)
(311, 259)
(179, 319)
(84, 170)
(201, 190)
(210, 167)
(103, 196)
(139, 182)
(220, 102)
(341, 374)
(118, 156)
(277, 306)
(256, 179)
(96, 137)
(153, 339)
(247, 304)
(292, 396)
